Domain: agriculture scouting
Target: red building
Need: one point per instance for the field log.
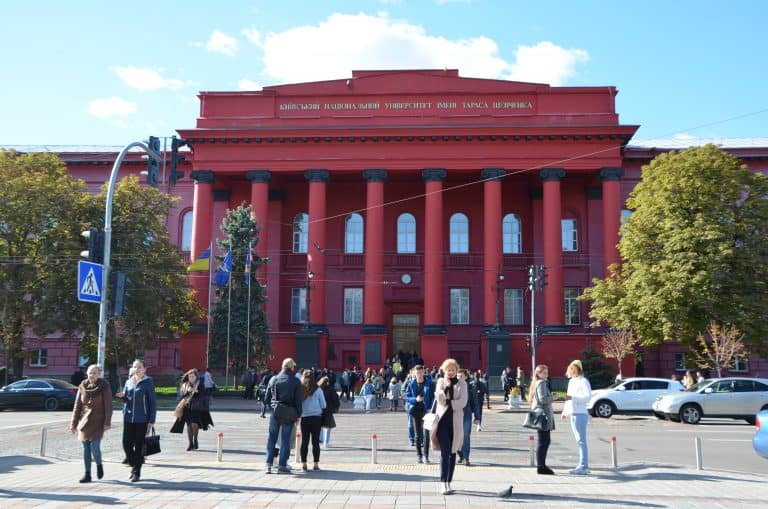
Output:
(416, 200)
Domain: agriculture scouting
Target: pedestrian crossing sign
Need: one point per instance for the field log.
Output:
(89, 281)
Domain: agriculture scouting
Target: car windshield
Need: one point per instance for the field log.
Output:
(698, 386)
(616, 384)
(59, 384)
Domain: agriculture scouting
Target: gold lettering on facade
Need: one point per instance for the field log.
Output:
(299, 107)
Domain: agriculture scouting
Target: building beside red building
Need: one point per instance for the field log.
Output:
(401, 210)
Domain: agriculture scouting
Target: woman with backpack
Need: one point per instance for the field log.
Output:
(332, 404)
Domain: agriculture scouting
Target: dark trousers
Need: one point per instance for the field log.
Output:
(445, 437)
(542, 446)
(310, 428)
(133, 442)
(421, 438)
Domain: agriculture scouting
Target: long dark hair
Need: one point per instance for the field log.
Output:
(185, 378)
(308, 383)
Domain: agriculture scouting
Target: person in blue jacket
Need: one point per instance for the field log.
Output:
(139, 412)
(419, 396)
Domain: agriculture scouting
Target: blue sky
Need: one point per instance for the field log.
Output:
(108, 73)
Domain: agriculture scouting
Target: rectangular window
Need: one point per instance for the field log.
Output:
(513, 306)
(680, 361)
(572, 308)
(570, 235)
(741, 365)
(298, 305)
(38, 358)
(353, 305)
(459, 306)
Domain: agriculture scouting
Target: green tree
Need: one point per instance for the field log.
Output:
(230, 330)
(596, 370)
(42, 210)
(694, 252)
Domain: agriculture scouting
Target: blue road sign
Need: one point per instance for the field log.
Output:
(89, 281)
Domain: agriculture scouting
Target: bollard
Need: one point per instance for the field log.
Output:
(374, 449)
(220, 448)
(697, 446)
(298, 446)
(43, 440)
(533, 451)
(614, 456)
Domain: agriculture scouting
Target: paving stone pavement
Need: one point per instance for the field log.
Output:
(348, 479)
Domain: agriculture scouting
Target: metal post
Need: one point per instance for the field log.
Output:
(102, 344)
(298, 445)
(697, 446)
(220, 448)
(533, 325)
(43, 440)
(532, 451)
(374, 449)
(614, 456)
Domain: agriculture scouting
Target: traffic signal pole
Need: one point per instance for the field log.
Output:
(102, 344)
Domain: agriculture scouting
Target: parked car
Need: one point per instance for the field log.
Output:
(633, 395)
(44, 393)
(735, 398)
(760, 440)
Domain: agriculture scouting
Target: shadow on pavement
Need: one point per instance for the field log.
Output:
(61, 497)
(569, 501)
(10, 463)
(148, 483)
(625, 475)
(343, 475)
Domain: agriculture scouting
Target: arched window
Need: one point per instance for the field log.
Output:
(406, 233)
(300, 233)
(353, 234)
(186, 231)
(459, 233)
(511, 233)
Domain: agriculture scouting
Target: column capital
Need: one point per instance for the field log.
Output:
(375, 175)
(316, 175)
(202, 176)
(551, 174)
(433, 174)
(258, 176)
(493, 173)
(611, 174)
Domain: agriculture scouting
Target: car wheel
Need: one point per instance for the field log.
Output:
(51, 404)
(604, 409)
(690, 414)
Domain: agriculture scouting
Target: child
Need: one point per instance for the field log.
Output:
(394, 393)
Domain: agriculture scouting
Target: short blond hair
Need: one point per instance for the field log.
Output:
(449, 362)
(577, 366)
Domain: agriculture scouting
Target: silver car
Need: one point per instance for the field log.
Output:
(631, 396)
(736, 398)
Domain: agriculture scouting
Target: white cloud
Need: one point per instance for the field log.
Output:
(219, 42)
(345, 42)
(111, 107)
(145, 79)
(253, 35)
(248, 85)
(546, 63)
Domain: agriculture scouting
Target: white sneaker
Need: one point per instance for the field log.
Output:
(479, 428)
(579, 471)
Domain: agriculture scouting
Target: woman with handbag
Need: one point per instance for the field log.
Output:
(91, 417)
(311, 418)
(139, 412)
(541, 403)
(451, 396)
(193, 408)
(332, 404)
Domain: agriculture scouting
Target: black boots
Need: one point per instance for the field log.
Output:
(86, 478)
(136, 473)
(545, 470)
(194, 443)
(99, 471)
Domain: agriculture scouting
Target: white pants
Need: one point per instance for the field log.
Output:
(368, 400)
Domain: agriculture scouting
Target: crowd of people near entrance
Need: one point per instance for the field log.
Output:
(442, 406)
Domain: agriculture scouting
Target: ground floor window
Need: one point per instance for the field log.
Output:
(459, 306)
(572, 311)
(38, 358)
(740, 365)
(353, 305)
(513, 306)
(298, 305)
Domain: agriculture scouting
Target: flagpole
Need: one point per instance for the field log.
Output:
(229, 319)
(248, 313)
(208, 318)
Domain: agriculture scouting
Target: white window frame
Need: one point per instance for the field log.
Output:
(354, 233)
(38, 358)
(186, 231)
(459, 306)
(406, 233)
(353, 305)
(513, 306)
(571, 306)
(741, 365)
(511, 234)
(298, 305)
(458, 226)
(301, 233)
(570, 235)
(680, 361)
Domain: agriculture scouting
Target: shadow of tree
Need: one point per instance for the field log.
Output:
(10, 463)
(60, 497)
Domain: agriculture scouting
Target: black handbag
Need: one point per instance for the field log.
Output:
(151, 444)
(328, 421)
(536, 419)
(283, 413)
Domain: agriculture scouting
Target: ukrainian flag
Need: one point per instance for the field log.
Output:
(202, 263)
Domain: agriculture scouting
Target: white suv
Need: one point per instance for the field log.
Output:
(633, 395)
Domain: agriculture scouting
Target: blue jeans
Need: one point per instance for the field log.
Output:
(91, 447)
(411, 433)
(579, 428)
(464, 451)
(286, 433)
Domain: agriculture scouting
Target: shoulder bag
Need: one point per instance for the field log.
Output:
(151, 443)
(283, 413)
(537, 419)
(431, 418)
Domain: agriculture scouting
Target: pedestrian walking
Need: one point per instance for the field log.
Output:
(419, 396)
(520, 381)
(284, 394)
(481, 393)
(578, 394)
(451, 395)
(139, 412)
(91, 417)
(394, 393)
(540, 397)
(506, 382)
(332, 405)
(367, 391)
(311, 419)
(193, 409)
(471, 415)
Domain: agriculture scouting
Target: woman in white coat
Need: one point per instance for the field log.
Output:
(577, 397)
(448, 435)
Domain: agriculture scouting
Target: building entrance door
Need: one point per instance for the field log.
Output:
(405, 333)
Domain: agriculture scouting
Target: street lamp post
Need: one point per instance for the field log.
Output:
(308, 321)
(499, 289)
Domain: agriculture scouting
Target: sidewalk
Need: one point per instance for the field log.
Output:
(500, 455)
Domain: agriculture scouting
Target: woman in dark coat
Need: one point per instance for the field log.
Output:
(193, 408)
(91, 417)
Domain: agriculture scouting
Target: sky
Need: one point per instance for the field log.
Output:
(110, 73)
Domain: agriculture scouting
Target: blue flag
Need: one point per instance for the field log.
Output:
(248, 266)
(222, 275)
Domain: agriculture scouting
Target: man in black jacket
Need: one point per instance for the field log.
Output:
(285, 396)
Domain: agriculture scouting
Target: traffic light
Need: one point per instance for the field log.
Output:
(531, 277)
(118, 294)
(95, 251)
(176, 174)
(542, 276)
(153, 164)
